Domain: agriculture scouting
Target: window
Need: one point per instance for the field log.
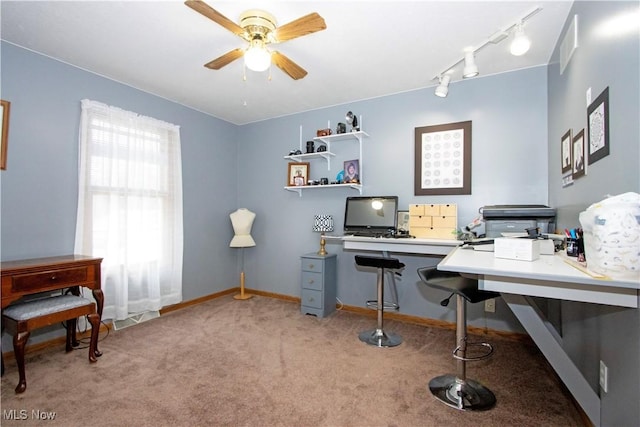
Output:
(130, 207)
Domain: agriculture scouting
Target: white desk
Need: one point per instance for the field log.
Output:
(403, 245)
(550, 277)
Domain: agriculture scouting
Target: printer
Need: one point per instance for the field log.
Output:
(500, 219)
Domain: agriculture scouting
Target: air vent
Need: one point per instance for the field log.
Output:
(134, 319)
(569, 44)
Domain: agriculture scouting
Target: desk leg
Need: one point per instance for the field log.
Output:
(99, 297)
(532, 320)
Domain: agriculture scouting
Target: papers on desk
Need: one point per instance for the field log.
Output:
(483, 248)
(546, 246)
(484, 245)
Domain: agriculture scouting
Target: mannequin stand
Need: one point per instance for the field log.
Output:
(242, 295)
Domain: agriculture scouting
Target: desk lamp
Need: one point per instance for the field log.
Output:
(321, 224)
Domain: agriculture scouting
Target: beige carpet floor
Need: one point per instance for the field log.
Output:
(260, 362)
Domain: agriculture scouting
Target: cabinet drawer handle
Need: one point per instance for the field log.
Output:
(53, 277)
(311, 299)
(311, 281)
(311, 266)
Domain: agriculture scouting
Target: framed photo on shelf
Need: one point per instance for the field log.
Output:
(578, 155)
(598, 127)
(351, 171)
(4, 125)
(443, 159)
(403, 220)
(297, 174)
(565, 151)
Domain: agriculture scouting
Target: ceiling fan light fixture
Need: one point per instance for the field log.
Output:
(470, 67)
(257, 57)
(443, 88)
(521, 43)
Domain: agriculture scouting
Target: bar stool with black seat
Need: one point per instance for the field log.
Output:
(457, 390)
(378, 336)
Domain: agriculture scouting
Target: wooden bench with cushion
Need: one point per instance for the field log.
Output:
(23, 317)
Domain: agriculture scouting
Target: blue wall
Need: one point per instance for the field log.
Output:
(39, 187)
(593, 332)
(509, 150)
(40, 184)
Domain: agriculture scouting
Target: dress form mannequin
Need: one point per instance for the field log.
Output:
(242, 221)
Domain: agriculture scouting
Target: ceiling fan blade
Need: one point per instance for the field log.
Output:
(206, 10)
(288, 66)
(302, 26)
(225, 59)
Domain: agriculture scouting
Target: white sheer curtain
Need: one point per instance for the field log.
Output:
(130, 207)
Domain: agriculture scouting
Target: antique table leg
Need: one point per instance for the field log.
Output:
(99, 297)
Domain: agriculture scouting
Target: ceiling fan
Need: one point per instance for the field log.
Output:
(259, 29)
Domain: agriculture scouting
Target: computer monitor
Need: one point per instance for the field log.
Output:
(371, 215)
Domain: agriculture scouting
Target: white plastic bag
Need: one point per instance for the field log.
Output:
(612, 236)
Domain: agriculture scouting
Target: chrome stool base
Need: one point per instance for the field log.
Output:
(386, 305)
(380, 338)
(465, 395)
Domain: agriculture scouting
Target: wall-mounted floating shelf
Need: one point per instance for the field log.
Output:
(328, 155)
(308, 156)
(298, 189)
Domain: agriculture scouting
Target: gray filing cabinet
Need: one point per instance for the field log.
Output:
(318, 282)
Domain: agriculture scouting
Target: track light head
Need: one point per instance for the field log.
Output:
(470, 67)
(521, 43)
(443, 88)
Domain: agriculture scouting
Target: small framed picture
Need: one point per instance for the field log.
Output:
(598, 127)
(403, 221)
(565, 151)
(298, 174)
(578, 155)
(351, 171)
(4, 139)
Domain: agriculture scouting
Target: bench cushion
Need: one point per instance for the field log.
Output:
(44, 306)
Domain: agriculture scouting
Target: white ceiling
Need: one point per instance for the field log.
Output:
(369, 49)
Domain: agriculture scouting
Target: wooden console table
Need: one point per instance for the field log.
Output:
(31, 276)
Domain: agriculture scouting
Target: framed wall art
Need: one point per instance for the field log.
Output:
(565, 151)
(443, 159)
(4, 138)
(297, 174)
(578, 155)
(598, 127)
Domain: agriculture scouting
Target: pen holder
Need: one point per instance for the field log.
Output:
(575, 247)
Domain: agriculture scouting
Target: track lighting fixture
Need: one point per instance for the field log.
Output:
(443, 88)
(520, 46)
(521, 43)
(470, 67)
